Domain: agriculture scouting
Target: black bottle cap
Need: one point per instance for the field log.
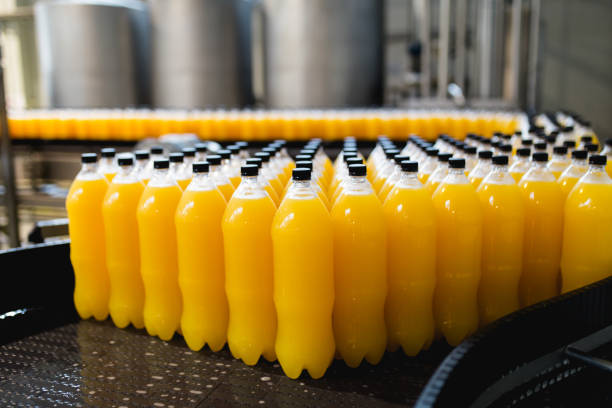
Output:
(567, 129)
(540, 146)
(306, 164)
(591, 147)
(265, 156)
(89, 158)
(176, 157)
(444, 157)
(390, 153)
(409, 166)
(523, 152)
(506, 137)
(398, 158)
(552, 138)
(540, 157)
(189, 152)
(485, 140)
(349, 155)
(249, 170)
(354, 160)
(303, 157)
(161, 164)
(308, 151)
(518, 132)
(456, 163)
(141, 154)
(214, 159)
(526, 142)
(570, 144)
(156, 150)
(234, 149)
(242, 145)
(500, 160)
(270, 149)
(586, 139)
(598, 159)
(125, 161)
(200, 167)
(470, 150)
(201, 147)
(301, 174)
(506, 148)
(560, 150)
(255, 160)
(349, 148)
(431, 152)
(579, 154)
(357, 170)
(609, 142)
(225, 154)
(108, 152)
(485, 154)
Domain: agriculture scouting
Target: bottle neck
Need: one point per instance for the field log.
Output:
(596, 168)
(201, 181)
(540, 165)
(249, 180)
(522, 159)
(499, 168)
(579, 162)
(456, 172)
(301, 183)
(89, 168)
(559, 157)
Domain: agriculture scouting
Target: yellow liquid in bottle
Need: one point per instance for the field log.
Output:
(411, 269)
(159, 259)
(87, 247)
(249, 278)
(183, 183)
(201, 272)
(360, 263)
(302, 240)
(227, 190)
(123, 253)
(459, 242)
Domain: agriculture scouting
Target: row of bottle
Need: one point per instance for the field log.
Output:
(137, 124)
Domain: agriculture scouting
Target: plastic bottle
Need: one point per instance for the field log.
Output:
(108, 165)
(220, 179)
(122, 246)
(543, 228)
(249, 270)
(142, 170)
(264, 182)
(411, 263)
(87, 242)
(574, 171)
(521, 164)
(459, 245)
(177, 170)
(201, 149)
(201, 272)
(440, 173)
(158, 252)
(157, 153)
(559, 161)
(587, 234)
(503, 213)
(360, 271)
(343, 177)
(394, 177)
(302, 240)
(429, 165)
(482, 168)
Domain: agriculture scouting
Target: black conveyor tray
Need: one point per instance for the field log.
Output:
(50, 358)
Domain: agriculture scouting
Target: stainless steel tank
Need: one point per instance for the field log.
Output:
(322, 53)
(93, 53)
(201, 53)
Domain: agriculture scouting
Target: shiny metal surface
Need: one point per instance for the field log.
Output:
(322, 53)
(201, 53)
(92, 53)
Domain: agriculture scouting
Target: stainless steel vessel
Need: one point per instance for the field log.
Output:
(201, 53)
(92, 53)
(322, 53)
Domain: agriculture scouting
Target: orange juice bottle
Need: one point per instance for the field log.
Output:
(201, 272)
(230, 171)
(158, 252)
(393, 178)
(263, 181)
(503, 213)
(574, 171)
(360, 271)
(482, 168)
(220, 179)
(430, 163)
(177, 170)
(302, 239)
(439, 173)
(122, 246)
(156, 153)
(587, 234)
(411, 263)
(459, 244)
(543, 228)
(249, 270)
(108, 165)
(343, 177)
(559, 161)
(521, 164)
(87, 242)
(141, 168)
